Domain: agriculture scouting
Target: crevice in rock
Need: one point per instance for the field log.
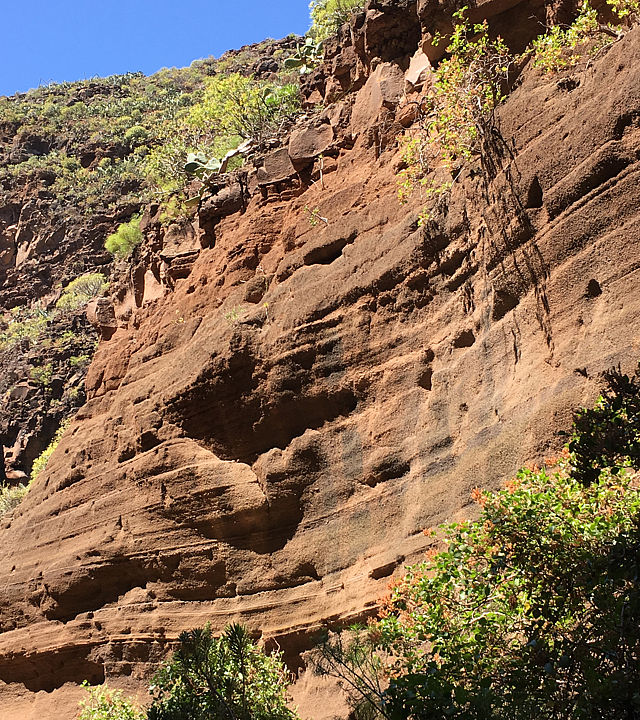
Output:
(464, 339)
(535, 196)
(503, 302)
(593, 289)
(48, 671)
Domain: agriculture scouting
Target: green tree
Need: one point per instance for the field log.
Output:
(237, 107)
(532, 611)
(227, 678)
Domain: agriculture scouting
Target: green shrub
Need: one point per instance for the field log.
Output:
(532, 610)
(222, 678)
(42, 374)
(561, 47)
(136, 135)
(79, 361)
(106, 704)
(608, 435)
(11, 496)
(565, 46)
(40, 463)
(164, 165)
(25, 323)
(122, 242)
(79, 291)
(236, 106)
(626, 10)
(457, 114)
(329, 15)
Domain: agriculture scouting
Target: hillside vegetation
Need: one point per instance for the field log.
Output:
(528, 609)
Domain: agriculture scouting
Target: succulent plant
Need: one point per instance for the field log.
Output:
(202, 167)
(207, 170)
(306, 58)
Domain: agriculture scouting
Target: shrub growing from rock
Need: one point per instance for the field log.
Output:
(106, 704)
(220, 678)
(11, 496)
(328, 15)
(122, 242)
(40, 463)
(457, 114)
(79, 291)
(24, 324)
(532, 610)
(237, 107)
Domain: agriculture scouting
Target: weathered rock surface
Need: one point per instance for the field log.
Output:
(307, 143)
(55, 218)
(267, 443)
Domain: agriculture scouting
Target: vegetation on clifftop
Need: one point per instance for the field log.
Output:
(455, 120)
(328, 15)
(95, 142)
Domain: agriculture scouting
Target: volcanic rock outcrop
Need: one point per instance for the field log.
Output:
(266, 441)
(69, 176)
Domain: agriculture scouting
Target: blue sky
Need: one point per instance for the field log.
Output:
(56, 40)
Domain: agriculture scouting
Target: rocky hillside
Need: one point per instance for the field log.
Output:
(297, 379)
(76, 161)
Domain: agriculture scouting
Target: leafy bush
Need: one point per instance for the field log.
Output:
(79, 361)
(40, 463)
(353, 657)
(532, 610)
(122, 242)
(560, 47)
(79, 291)
(626, 10)
(226, 678)
(565, 46)
(25, 323)
(608, 436)
(106, 704)
(136, 135)
(11, 496)
(234, 106)
(457, 113)
(329, 15)
(42, 374)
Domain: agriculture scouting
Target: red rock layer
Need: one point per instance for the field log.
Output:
(267, 442)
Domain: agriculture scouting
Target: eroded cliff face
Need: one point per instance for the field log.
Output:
(266, 441)
(72, 169)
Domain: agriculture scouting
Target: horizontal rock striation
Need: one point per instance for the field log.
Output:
(267, 442)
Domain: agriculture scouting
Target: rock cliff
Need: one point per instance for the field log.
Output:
(271, 428)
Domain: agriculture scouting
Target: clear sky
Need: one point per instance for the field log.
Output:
(55, 40)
